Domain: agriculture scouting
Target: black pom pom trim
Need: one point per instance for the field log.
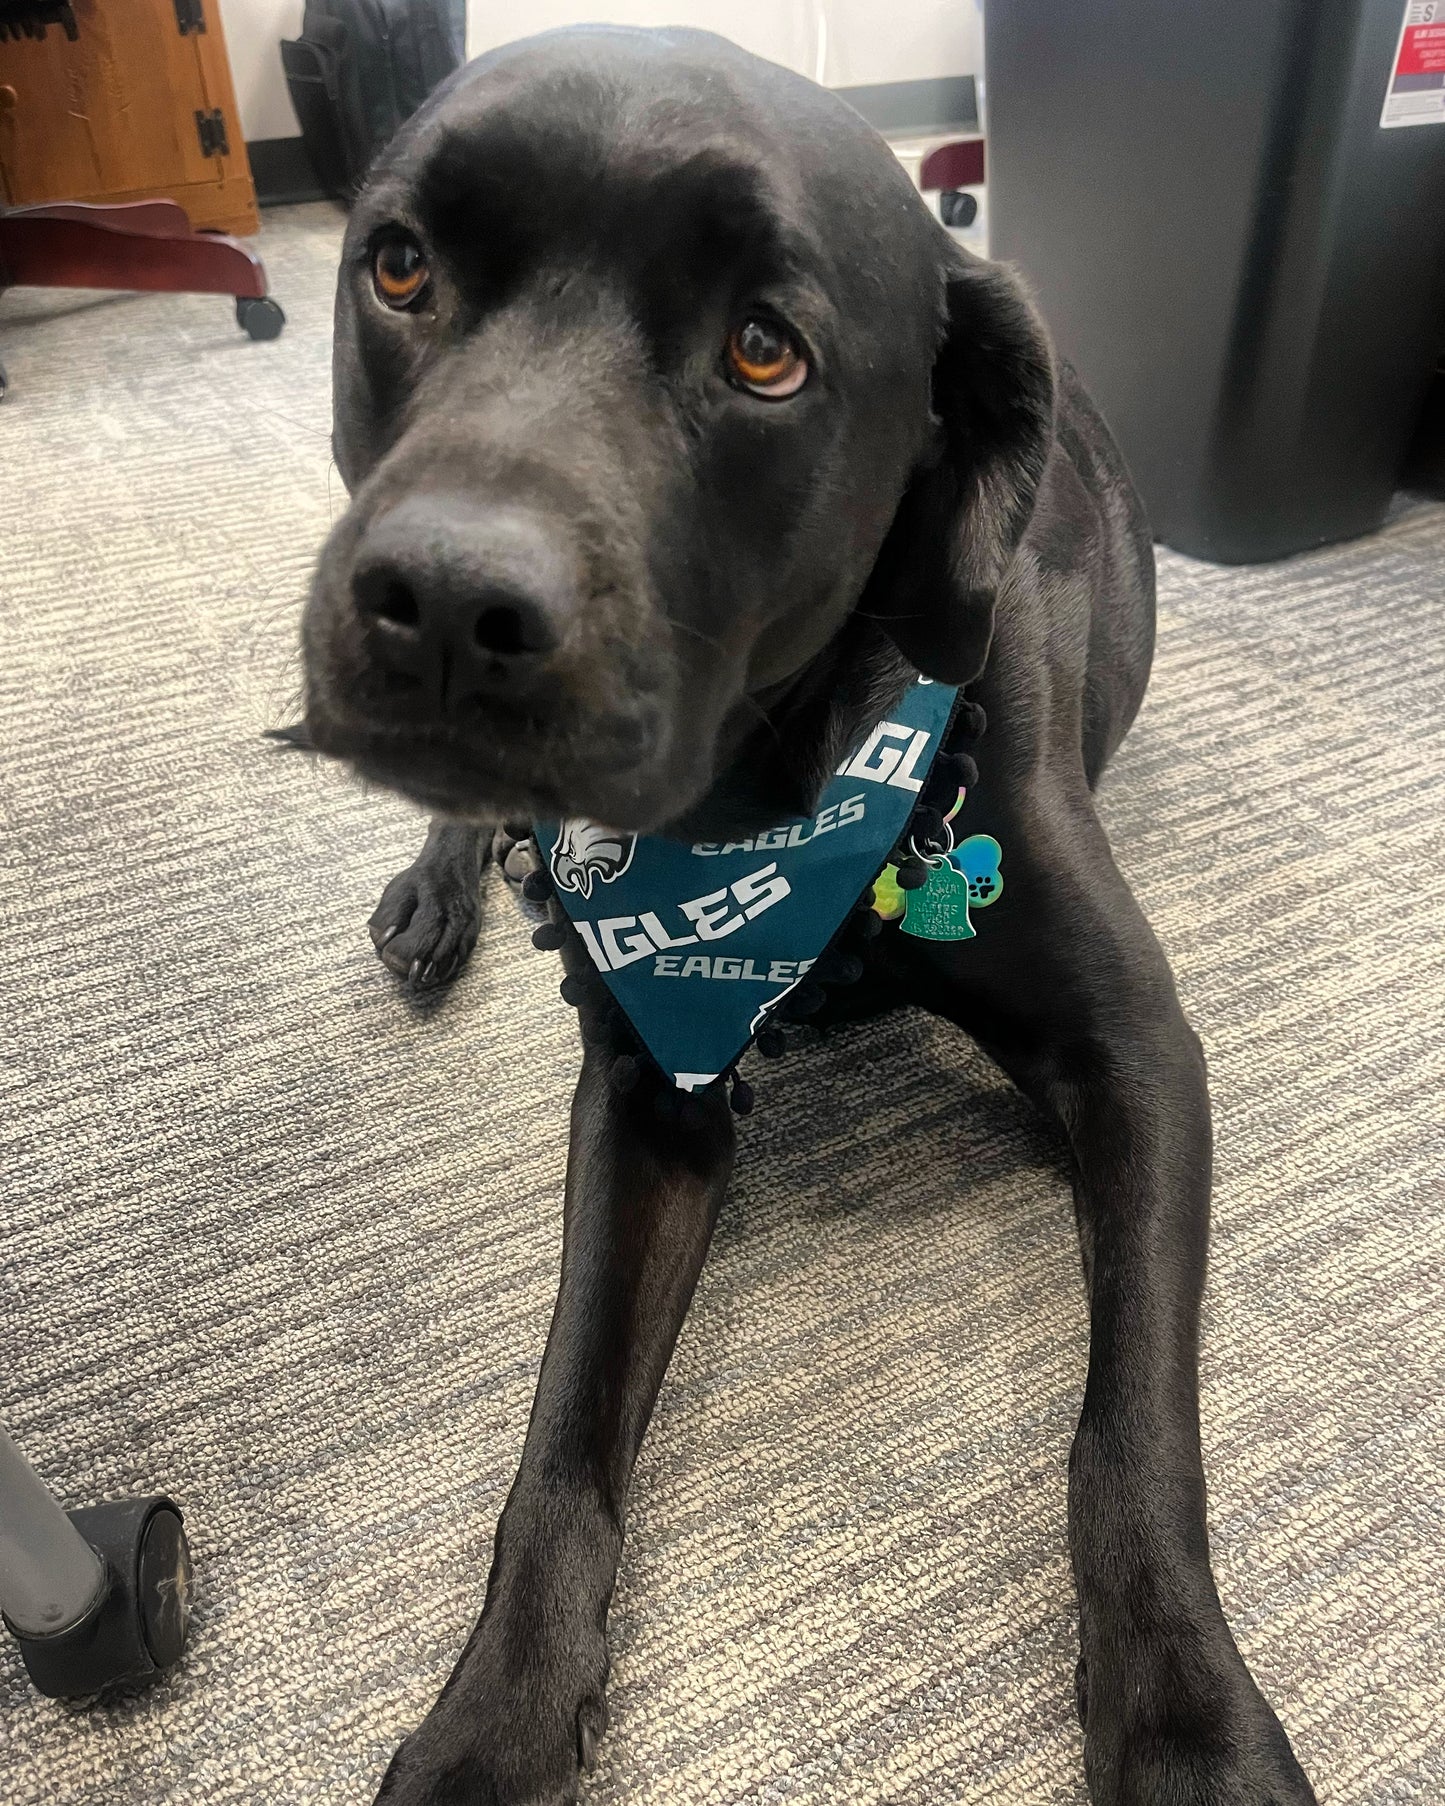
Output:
(869, 925)
(970, 721)
(741, 1099)
(952, 770)
(572, 990)
(912, 875)
(537, 887)
(549, 937)
(771, 1044)
(625, 1074)
(807, 1000)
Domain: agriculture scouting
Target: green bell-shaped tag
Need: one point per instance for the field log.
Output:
(939, 911)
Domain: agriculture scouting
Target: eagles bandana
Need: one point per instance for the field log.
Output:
(699, 943)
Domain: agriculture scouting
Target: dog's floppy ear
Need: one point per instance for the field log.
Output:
(968, 502)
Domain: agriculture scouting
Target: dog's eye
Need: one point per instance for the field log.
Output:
(764, 357)
(399, 272)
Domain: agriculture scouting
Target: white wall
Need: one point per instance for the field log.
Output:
(254, 29)
(845, 43)
(861, 41)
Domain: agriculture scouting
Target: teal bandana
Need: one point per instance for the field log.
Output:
(699, 943)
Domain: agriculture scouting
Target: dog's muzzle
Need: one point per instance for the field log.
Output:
(462, 606)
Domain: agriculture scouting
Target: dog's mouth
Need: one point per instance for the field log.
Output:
(508, 763)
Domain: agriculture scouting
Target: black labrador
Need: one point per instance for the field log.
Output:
(680, 437)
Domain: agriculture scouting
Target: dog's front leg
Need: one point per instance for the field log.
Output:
(1078, 1003)
(524, 1708)
(425, 926)
(1170, 1712)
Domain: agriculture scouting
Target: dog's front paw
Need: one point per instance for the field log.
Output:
(426, 924)
(520, 1737)
(1173, 1738)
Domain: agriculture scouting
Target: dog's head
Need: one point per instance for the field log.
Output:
(652, 370)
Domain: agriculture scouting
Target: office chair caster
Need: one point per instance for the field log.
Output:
(94, 1596)
(259, 316)
(955, 208)
(136, 1626)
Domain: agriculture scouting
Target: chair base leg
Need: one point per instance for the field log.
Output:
(147, 245)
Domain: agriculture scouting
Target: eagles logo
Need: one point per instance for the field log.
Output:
(585, 851)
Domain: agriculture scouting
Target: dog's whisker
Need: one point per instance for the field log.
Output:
(696, 632)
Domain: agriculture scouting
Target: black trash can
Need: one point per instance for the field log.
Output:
(1233, 215)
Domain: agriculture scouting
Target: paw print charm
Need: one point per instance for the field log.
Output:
(979, 859)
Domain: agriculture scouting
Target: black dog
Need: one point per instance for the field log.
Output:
(680, 438)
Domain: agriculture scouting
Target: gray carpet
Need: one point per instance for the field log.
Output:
(286, 1245)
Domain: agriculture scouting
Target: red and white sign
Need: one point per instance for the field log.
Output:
(1416, 94)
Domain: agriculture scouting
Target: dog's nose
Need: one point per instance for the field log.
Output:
(463, 602)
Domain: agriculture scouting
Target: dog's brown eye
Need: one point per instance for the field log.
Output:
(765, 358)
(399, 271)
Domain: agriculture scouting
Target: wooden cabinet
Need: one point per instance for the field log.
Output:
(140, 106)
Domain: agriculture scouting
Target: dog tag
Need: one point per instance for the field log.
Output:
(888, 900)
(939, 911)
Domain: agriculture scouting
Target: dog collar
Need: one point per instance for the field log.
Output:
(700, 944)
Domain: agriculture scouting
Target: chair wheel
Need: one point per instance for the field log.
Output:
(957, 208)
(137, 1626)
(163, 1588)
(259, 316)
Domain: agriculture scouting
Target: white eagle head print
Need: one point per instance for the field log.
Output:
(585, 851)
